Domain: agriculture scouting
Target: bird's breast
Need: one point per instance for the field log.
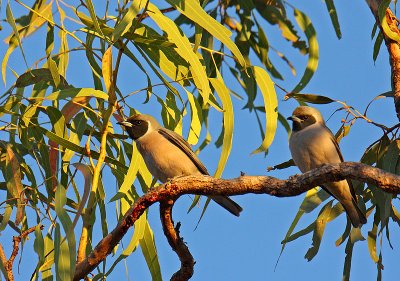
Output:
(312, 147)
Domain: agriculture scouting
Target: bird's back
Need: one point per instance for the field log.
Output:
(174, 162)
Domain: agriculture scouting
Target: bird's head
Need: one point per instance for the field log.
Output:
(304, 116)
(139, 125)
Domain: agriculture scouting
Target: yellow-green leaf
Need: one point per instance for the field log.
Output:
(267, 88)
(195, 124)
(193, 10)
(313, 53)
(106, 68)
(127, 20)
(228, 122)
(11, 21)
(149, 251)
(184, 47)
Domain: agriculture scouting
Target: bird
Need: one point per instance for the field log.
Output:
(167, 154)
(313, 144)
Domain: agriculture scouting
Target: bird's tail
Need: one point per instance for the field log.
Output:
(228, 204)
(356, 216)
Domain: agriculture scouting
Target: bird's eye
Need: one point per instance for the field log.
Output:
(305, 117)
(138, 122)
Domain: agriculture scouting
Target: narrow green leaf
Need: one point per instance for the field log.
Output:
(11, 21)
(57, 120)
(334, 18)
(12, 45)
(347, 261)
(228, 122)
(184, 47)
(67, 144)
(130, 175)
(377, 45)
(68, 250)
(372, 239)
(193, 10)
(196, 117)
(149, 251)
(313, 54)
(267, 88)
(127, 20)
(35, 76)
(54, 71)
(138, 234)
(93, 15)
(14, 183)
(76, 92)
(320, 225)
(61, 256)
(6, 216)
(311, 98)
(38, 245)
(46, 268)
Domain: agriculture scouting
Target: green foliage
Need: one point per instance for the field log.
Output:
(185, 56)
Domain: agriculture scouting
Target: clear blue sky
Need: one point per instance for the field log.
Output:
(246, 248)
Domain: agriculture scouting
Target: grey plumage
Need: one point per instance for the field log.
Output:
(313, 144)
(168, 155)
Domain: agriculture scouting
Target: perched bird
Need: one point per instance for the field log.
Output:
(313, 144)
(167, 154)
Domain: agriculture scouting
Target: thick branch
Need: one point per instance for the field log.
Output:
(176, 243)
(206, 185)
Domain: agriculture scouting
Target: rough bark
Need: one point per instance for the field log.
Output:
(206, 185)
(393, 48)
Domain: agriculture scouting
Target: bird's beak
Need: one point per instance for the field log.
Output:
(125, 124)
(294, 118)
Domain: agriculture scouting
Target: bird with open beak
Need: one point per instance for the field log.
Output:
(168, 155)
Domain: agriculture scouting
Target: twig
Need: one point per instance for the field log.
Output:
(16, 241)
(176, 243)
(207, 185)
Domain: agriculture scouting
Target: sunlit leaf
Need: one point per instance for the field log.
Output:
(311, 98)
(394, 35)
(193, 10)
(149, 251)
(128, 19)
(185, 49)
(195, 124)
(11, 21)
(35, 76)
(267, 88)
(106, 68)
(313, 53)
(320, 225)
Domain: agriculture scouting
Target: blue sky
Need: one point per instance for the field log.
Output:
(247, 248)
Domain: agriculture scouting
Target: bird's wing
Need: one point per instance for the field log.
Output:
(335, 143)
(183, 145)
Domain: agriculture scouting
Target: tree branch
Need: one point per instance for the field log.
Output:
(176, 243)
(207, 185)
(16, 241)
(392, 46)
